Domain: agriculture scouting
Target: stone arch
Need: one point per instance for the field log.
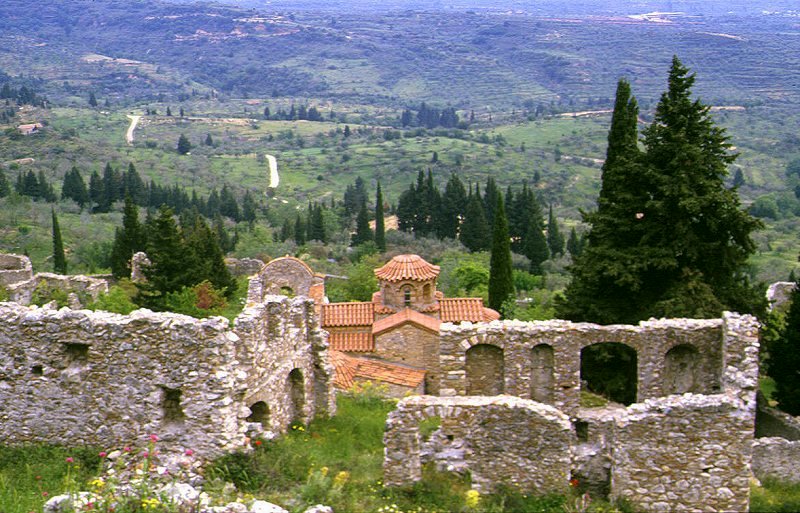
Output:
(542, 378)
(259, 412)
(287, 291)
(485, 370)
(610, 369)
(297, 395)
(682, 365)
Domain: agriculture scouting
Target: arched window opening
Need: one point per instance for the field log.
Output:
(407, 296)
(259, 412)
(287, 291)
(610, 369)
(426, 291)
(485, 373)
(171, 408)
(297, 395)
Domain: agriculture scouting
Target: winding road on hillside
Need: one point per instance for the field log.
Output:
(129, 134)
(274, 179)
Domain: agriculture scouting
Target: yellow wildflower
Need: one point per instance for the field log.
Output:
(472, 498)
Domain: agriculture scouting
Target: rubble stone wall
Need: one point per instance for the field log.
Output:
(530, 373)
(287, 276)
(519, 443)
(777, 458)
(279, 337)
(684, 453)
(84, 286)
(95, 378)
(14, 269)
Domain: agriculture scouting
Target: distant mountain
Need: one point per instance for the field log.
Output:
(143, 48)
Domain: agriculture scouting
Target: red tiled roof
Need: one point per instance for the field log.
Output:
(407, 267)
(351, 341)
(404, 316)
(471, 309)
(349, 368)
(347, 314)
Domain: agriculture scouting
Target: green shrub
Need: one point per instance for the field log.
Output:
(117, 300)
(44, 293)
(200, 301)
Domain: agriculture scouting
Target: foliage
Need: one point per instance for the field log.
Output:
(201, 300)
(59, 258)
(360, 283)
(774, 495)
(380, 225)
(668, 238)
(44, 293)
(784, 360)
(119, 299)
(501, 281)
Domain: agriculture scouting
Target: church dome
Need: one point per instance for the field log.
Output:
(407, 267)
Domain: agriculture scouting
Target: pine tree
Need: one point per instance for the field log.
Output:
(501, 281)
(555, 241)
(668, 237)
(380, 227)
(96, 193)
(316, 225)
(59, 258)
(475, 234)
(74, 187)
(133, 186)
(363, 232)
(184, 146)
(168, 270)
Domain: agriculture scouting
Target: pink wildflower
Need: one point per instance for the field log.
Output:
(154, 438)
(188, 452)
(145, 454)
(103, 454)
(70, 459)
(127, 449)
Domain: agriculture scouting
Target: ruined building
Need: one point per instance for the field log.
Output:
(95, 378)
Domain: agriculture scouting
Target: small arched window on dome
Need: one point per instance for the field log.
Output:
(426, 292)
(407, 295)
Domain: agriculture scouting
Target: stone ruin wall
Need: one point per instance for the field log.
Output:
(95, 378)
(673, 356)
(633, 448)
(16, 276)
(491, 429)
(287, 276)
(292, 378)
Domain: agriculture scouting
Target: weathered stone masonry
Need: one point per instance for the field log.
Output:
(81, 377)
(686, 446)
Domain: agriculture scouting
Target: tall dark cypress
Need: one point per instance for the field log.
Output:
(453, 205)
(59, 258)
(128, 240)
(363, 232)
(501, 280)
(555, 241)
(784, 361)
(380, 226)
(475, 233)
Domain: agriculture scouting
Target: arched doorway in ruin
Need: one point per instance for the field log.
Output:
(610, 369)
(542, 380)
(259, 412)
(681, 368)
(297, 395)
(485, 370)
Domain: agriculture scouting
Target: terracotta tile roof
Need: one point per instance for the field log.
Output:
(351, 341)
(349, 368)
(471, 309)
(347, 314)
(404, 316)
(407, 267)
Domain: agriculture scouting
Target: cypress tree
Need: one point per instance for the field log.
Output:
(490, 199)
(555, 241)
(184, 146)
(363, 232)
(168, 270)
(133, 186)
(475, 234)
(299, 231)
(784, 361)
(534, 243)
(127, 240)
(668, 237)
(316, 225)
(452, 207)
(74, 187)
(96, 194)
(380, 228)
(5, 186)
(574, 243)
(249, 208)
(59, 258)
(501, 281)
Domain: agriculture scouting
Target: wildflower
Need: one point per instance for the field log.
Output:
(127, 449)
(145, 454)
(98, 483)
(45, 494)
(38, 478)
(324, 471)
(573, 483)
(70, 459)
(258, 443)
(188, 452)
(154, 438)
(472, 498)
(103, 454)
(341, 479)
